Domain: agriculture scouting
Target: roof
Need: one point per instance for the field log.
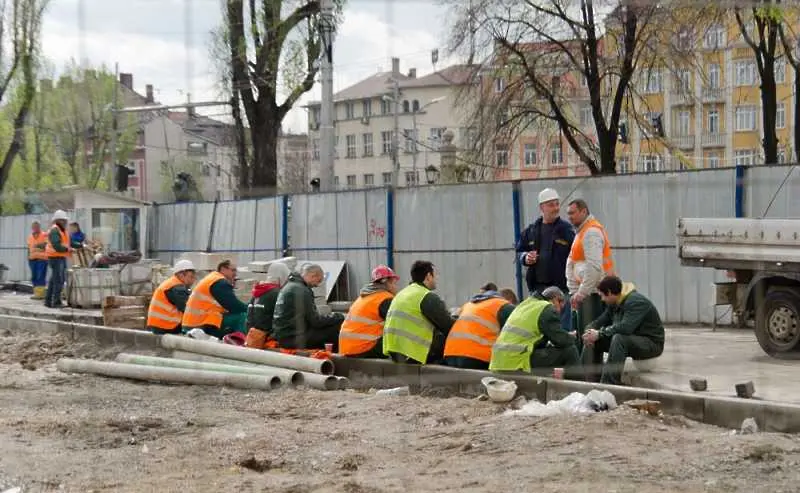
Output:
(452, 75)
(215, 131)
(374, 85)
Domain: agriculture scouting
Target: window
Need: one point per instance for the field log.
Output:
(499, 85)
(351, 146)
(386, 142)
(586, 115)
(336, 181)
(713, 122)
(410, 140)
(683, 123)
(435, 139)
(714, 81)
(745, 118)
(623, 165)
(556, 153)
(386, 107)
(315, 149)
(651, 118)
(366, 108)
(405, 106)
(349, 111)
(781, 155)
(780, 116)
(744, 73)
(715, 37)
(412, 178)
(415, 106)
(351, 181)
(315, 114)
(501, 155)
(336, 147)
(366, 139)
(369, 180)
(205, 170)
(713, 160)
(780, 70)
(744, 157)
(683, 40)
(649, 163)
(530, 154)
(651, 83)
(387, 178)
(683, 81)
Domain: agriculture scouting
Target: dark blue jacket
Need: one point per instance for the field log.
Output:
(563, 235)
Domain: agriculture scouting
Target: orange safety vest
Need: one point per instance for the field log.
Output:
(202, 309)
(475, 331)
(577, 254)
(162, 314)
(362, 327)
(50, 251)
(34, 251)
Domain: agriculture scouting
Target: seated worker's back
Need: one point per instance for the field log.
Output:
(362, 328)
(213, 305)
(262, 305)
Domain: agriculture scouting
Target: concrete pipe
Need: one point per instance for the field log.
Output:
(288, 377)
(211, 359)
(260, 356)
(344, 383)
(172, 375)
(320, 382)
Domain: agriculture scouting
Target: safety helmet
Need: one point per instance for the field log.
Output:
(383, 272)
(547, 195)
(59, 215)
(183, 265)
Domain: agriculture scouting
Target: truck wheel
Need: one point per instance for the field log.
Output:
(778, 324)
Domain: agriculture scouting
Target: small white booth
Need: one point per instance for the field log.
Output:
(117, 221)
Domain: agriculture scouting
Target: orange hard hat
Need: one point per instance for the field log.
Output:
(383, 272)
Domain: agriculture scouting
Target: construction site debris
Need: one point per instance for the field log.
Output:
(698, 384)
(652, 408)
(749, 426)
(745, 390)
(575, 403)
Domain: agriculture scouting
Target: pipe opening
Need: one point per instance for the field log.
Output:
(327, 367)
(298, 379)
(274, 382)
(331, 383)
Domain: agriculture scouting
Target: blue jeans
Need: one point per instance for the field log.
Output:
(58, 276)
(38, 272)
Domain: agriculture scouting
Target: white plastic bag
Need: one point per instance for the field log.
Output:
(574, 403)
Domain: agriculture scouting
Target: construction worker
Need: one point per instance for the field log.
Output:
(469, 343)
(532, 337)
(418, 322)
(213, 305)
(362, 328)
(262, 305)
(544, 247)
(37, 260)
(630, 326)
(297, 324)
(169, 300)
(589, 261)
(57, 251)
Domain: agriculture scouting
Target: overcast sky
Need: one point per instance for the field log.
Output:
(149, 39)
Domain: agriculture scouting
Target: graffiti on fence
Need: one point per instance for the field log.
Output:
(376, 232)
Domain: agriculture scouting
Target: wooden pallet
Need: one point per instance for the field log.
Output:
(129, 312)
(81, 257)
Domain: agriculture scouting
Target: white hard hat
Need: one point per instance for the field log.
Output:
(183, 265)
(59, 214)
(547, 195)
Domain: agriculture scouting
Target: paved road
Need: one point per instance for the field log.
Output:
(725, 358)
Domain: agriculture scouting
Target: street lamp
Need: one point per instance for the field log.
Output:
(432, 174)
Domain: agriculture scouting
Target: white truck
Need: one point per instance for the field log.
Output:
(762, 258)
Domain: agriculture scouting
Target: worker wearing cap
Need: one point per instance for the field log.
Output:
(362, 328)
(57, 251)
(169, 300)
(213, 305)
(544, 247)
(532, 337)
(37, 260)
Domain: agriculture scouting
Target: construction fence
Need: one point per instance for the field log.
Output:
(469, 230)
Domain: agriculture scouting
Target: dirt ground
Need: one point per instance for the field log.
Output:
(83, 433)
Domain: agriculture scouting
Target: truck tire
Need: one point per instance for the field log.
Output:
(777, 324)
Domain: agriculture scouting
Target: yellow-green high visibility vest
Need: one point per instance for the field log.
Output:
(513, 348)
(406, 331)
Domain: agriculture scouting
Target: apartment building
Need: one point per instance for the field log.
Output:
(294, 163)
(364, 125)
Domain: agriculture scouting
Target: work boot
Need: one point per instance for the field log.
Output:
(38, 293)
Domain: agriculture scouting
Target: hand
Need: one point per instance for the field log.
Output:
(573, 334)
(576, 299)
(590, 337)
(531, 257)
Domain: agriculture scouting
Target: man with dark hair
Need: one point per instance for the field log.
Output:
(630, 326)
(418, 322)
(489, 286)
(213, 305)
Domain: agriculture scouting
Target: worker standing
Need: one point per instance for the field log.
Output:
(37, 260)
(165, 313)
(469, 343)
(418, 322)
(57, 251)
(262, 305)
(362, 329)
(544, 247)
(532, 337)
(213, 305)
(589, 261)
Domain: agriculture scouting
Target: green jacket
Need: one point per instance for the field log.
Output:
(55, 240)
(296, 313)
(634, 314)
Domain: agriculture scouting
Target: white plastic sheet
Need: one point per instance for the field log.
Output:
(574, 403)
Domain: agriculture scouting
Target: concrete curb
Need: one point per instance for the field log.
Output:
(64, 314)
(713, 410)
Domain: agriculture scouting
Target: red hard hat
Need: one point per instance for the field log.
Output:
(383, 272)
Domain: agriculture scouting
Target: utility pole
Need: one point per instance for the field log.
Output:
(327, 140)
(414, 148)
(114, 130)
(396, 133)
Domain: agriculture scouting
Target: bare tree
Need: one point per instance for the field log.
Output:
(295, 173)
(545, 56)
(791, 50)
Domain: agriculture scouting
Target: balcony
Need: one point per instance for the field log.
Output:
(682, 98)
(683, 141)
(713, 95)
(713, 140)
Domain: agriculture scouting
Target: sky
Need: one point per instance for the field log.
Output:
(167, 43)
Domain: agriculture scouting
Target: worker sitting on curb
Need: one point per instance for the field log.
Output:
(297, 324)
(168, 303)
(532, 337)
(213, 305)
(489, 286)
(362, 329)
(418, 322)
(262, 305)
(630, 326)
(469, 344)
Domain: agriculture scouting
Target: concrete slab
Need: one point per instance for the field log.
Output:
(724, 358)
(23, 306)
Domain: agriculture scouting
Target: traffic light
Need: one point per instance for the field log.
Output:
(315, 183)
(622, 134)
(121, 177)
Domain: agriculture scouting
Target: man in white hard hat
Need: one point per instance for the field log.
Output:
(169, 300)
(57, 251)
(544, 247)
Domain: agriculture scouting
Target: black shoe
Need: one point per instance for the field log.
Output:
(57, 305)
(48, 304)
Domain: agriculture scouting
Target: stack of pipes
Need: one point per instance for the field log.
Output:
(209, 363)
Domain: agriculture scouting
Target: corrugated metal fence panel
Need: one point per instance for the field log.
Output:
(231, 231)
(466, 231)
(762, 184)
(14, 231)
(182, 228)
(268, 228)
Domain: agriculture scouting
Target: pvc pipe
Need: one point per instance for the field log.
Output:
(311, 380)
(260, 356)
(175, 375)
(288, 377)
(344, 383)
